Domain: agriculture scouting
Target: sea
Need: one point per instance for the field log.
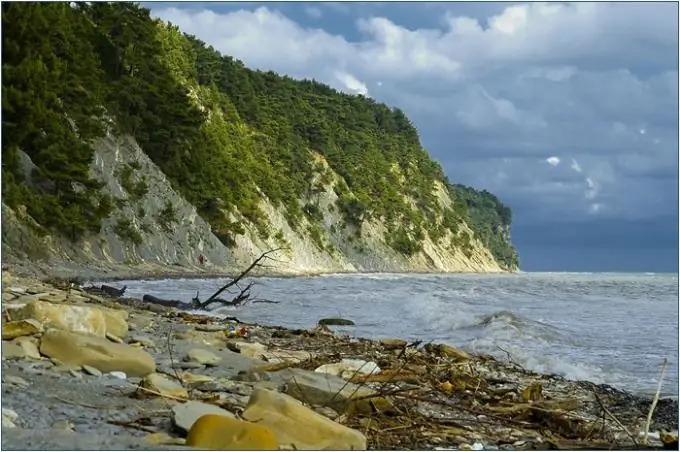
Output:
(608, 328)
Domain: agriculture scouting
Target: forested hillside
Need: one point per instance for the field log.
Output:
(226, 137)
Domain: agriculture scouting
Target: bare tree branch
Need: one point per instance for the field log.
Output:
(244, 293)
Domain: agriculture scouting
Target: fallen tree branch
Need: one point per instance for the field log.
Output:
(611, 415)
(655, 401)
(244, 293)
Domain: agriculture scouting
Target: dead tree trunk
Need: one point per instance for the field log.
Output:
(244, 293)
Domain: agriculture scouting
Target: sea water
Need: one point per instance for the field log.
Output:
(605, 328)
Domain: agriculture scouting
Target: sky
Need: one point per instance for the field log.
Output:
(568, 112)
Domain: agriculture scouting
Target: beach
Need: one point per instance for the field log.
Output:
(142, 374)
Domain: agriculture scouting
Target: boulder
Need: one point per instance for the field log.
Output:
(328, 390)
(348, 368)
(249, 349)
(287, 356)
(205, 357)
(185, 414)
(78, 319)
(164, 386)
(98, 352)
(215, 432)
(18, 328)
(297, 426)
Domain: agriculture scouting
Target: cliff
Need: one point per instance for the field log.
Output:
(135, 143)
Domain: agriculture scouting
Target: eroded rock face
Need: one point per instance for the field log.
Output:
(78, 319)
(297, 426)
(100, 353)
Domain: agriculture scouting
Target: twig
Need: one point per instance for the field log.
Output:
(655, 400)
(151, 391)
(611, 415)
(172, 361)
(512, 361)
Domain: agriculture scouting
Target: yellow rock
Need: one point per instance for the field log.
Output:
(98, 352)
(297, 426)
(78, 319)
(21, 348)
(393, 343)
(192, 379)
(215, 432)
(18, 328)
(162, 438)
(158, 383)
(446, 386)
(533, 392)
(448, 351)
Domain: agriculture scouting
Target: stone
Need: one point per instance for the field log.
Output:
(393, 343)
(448, 351)
(201, 356)
(9, 417)
(248, 349)
(18, 328)
(190, 365)
(114, 338)
(146, 341)
(348, 368)
(195, 379)
(210, 328)
(65, 368)
(287, 356)
(162, 438)
(98, 352)
(328, 390)
(92, 371)
(15, 380)
(185, 414)
(164, 386)
(117, 374)
(64, 425)
(20, 348)
(216, 432)
(335, 322)
(78, 319)
(297, 426)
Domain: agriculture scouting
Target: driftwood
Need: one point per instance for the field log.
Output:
(243, 296)
(103, 289)
(112, 291)
(163, 302)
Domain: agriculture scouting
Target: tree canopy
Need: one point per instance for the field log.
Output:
(223, 134)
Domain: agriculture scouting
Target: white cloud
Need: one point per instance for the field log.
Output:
(536, 79)
(351, 84)
(553, 161)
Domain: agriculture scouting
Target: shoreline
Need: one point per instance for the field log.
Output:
(447, 398)
(83, 272)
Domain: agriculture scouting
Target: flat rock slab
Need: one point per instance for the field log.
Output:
(50, 439)
(185, 414)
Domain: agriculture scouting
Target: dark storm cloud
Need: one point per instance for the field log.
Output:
(565, 111)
